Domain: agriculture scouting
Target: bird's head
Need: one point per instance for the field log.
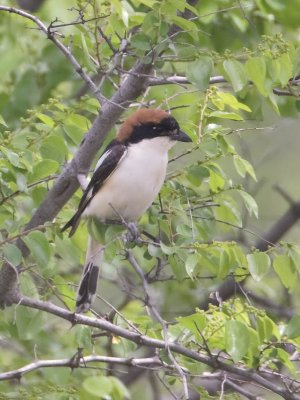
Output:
(149, 124)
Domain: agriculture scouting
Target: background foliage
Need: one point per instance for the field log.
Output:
(209, 272)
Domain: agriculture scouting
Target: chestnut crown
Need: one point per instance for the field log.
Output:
(148, 124)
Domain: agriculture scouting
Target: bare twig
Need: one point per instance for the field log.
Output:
(80, 362)
(51, 36)
(182, 80)
(23, 233)
(108, 41)
(82, 21)
(17, 192)
(241, 390)
(159, 318)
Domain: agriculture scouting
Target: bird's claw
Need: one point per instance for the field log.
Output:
(132, 234)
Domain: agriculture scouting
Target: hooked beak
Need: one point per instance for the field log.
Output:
(181, 136)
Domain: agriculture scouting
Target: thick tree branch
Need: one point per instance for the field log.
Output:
(67, 183)
(143, 340)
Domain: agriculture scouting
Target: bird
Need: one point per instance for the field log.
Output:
(127, 178)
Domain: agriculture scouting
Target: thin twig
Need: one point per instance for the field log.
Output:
(23, 233)
(158, 317)
(107, 40)
(182, 80)
(80, 362)
(29, 186)
(81, 22)
(51, 36)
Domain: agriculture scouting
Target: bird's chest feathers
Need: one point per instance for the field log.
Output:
(145, 165)
(135, 183)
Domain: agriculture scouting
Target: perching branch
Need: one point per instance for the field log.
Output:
(143, 340)
(67, 183)
(80, 362)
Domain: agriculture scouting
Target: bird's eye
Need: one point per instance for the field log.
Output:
(157, 128)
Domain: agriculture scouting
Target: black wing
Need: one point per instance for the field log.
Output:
(106, 165)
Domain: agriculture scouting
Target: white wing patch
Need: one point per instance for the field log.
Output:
(102, 158)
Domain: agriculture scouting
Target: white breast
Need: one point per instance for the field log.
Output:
(136, 182)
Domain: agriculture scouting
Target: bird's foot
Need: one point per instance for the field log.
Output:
(132, 234)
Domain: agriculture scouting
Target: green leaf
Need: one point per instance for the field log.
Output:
(243, 166)
(186, 25)
(226, 212)
(177, 267)
(39, 247)
(199, 72)
(256, 69)
(167, 249)
(250, 203)
(2, 122)
(12, 254)
(292, 330)
(226, 115)
(294, 254)
(21, 182)
(98, 386)
(223, 99)
(88, 61)
(191, 263)
(258, 264)
(141, 41)
(12, 157)
(54, 148)
(286, 271)
(194, 323)
(78, 120)
(235, 72)
(74, 132)
(120, 391)
(282, 69)
(224, 265)
(285, 358)
(46, 119)
(236, 339)
(28, 320)
(83, 337)
(266, 328)
(216, 181)
(43, 169)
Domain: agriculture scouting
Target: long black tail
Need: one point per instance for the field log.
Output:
(88, 283)
(73, 222)
(87, 288)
